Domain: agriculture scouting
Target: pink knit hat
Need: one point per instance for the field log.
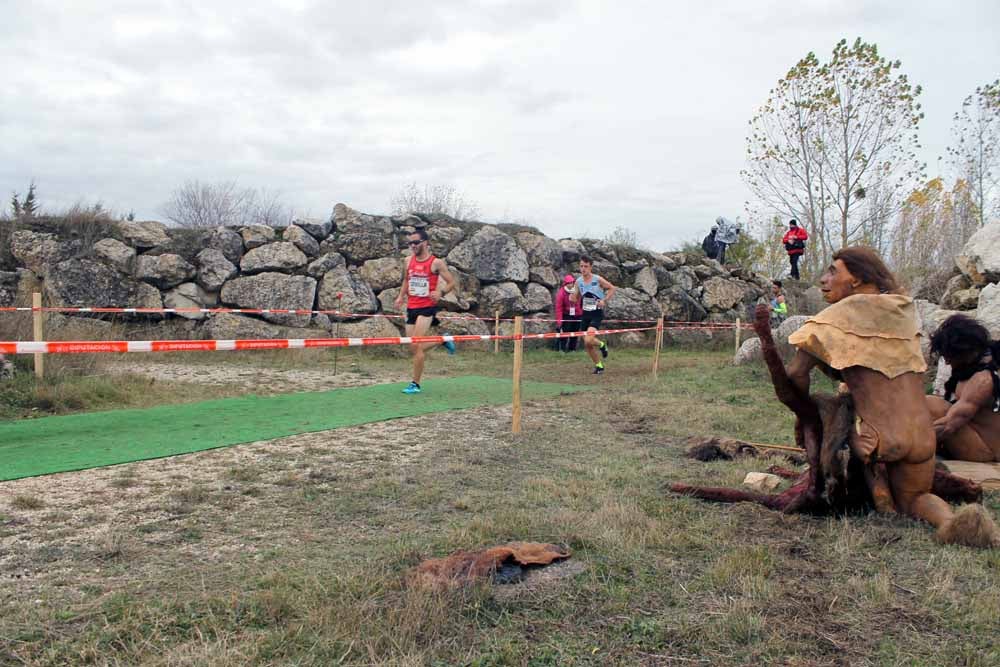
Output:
(569, 279)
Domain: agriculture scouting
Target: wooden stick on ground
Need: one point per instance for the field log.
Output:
(515, 426)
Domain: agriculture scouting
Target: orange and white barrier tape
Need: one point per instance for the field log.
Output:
(119, 346)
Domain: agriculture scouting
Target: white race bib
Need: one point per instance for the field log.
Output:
(572, 310)
(419, 286)
(589, 304)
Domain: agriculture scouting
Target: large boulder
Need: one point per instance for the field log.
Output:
(609, 271)
(953, 286)
(302, 239)
(115, 253)
(87, 283)
(646, 280)
(228, 242)
(369, 327)
(722, 294)
(443, 239)
(214, 269)
(254, 236)
(324, 263)
(537, 298)
(572, 250)
(679, 306)
(382, 273)
(632, 304)
(39, 252)
(163, 271)
(683, 277)
(281, 256)
(144, 234)
(989, 309)
(318, 228)
(979, 259)
(358, 297)
(749, 352)
(189, 295)
(541, 250)
(387, 300)
(360, 237)
(491, 256)
(505, 297)
(273, 290)
(544, 275)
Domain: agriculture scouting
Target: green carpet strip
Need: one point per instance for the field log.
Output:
(33, 447)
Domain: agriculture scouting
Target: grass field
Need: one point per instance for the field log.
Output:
(295, 551)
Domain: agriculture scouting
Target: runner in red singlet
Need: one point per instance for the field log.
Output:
(422, 291)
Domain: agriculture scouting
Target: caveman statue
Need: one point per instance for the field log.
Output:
(967, 419)
(873, 444)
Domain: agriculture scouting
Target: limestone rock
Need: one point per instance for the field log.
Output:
(491, 255)
(955, 284)
(228, 242)
(231, 326)
(360, 237)
(273, 290)
(326, 262)
(144, 234)
(357, 295)
(762, 482)
(255, 236)
(84, 282)
(163, 271)
(537, 298)
(37, 251)
(541, 250)
(679, 306)
(604, 250)
(988, 312)
(465, 326)
(683, 277)
(318, 228)
(505, 297)
(646, 281)
(302, 239)
(369, 327)
(387, 299)
(544, 275)
(189, 295)
(749, 352)
(214, 269)
(632, 304)
(382, 273)
(966, 299)
(279, 256)
(572, 250)
(979, 259)
(115, 253)
(444, 239)
(722, 294)
(609, 271)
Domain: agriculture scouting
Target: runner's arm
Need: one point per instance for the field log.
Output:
(976, 394)
(443, 272)
(609, 289)
(403, 293)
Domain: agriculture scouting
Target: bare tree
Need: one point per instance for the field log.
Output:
(434, 200)
(975, 156)
(834, 146)
(224, 203)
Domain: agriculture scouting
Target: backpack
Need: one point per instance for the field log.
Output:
(710, 247)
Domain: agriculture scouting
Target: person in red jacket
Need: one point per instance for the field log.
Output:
(795, 244)
(567, 315)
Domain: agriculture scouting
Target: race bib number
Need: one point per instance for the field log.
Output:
(419, 286)
(572, 310)
(589, 304)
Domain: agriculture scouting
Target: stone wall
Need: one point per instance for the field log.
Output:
(510, 268)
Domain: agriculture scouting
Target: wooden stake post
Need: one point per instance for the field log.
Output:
(515, 426)
(659, 343)
(36, 317)
(496, 332)
(738, 341)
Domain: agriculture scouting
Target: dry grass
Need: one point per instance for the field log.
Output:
(296, 551)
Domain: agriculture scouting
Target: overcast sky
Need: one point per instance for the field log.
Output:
(576, 116)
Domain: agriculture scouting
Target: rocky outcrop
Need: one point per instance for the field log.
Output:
(115, 253)
(255, 236)
(187, 296)
(163, 271)
(317, 228)
(491, 256)
(145, 234)
(38, 251)
(979, 260)
(361, 237)
(280, 256)
(228, 242)
(301, 239)
(988, 311)
(214, 269)
(382, 273)
(85, 282)
(345, 291)
(8, 288)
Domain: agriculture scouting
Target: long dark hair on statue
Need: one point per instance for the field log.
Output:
(865, 264)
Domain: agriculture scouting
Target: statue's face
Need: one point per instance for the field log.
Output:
(838, 283)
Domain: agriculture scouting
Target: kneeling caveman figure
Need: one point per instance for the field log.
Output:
(869, 338)
(967, 419)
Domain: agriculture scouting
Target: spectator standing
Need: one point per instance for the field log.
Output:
(725, 235)
(795, 244)
(779, 308)
(567, 315)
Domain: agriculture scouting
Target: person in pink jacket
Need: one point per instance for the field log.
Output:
(567, 315)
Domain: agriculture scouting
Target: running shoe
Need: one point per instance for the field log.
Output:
(412, 388)
(598, 369)
(604, 349)
(450, 346)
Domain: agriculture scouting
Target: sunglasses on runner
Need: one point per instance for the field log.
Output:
(415, 242)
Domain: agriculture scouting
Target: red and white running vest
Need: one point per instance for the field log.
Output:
(420, 282)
